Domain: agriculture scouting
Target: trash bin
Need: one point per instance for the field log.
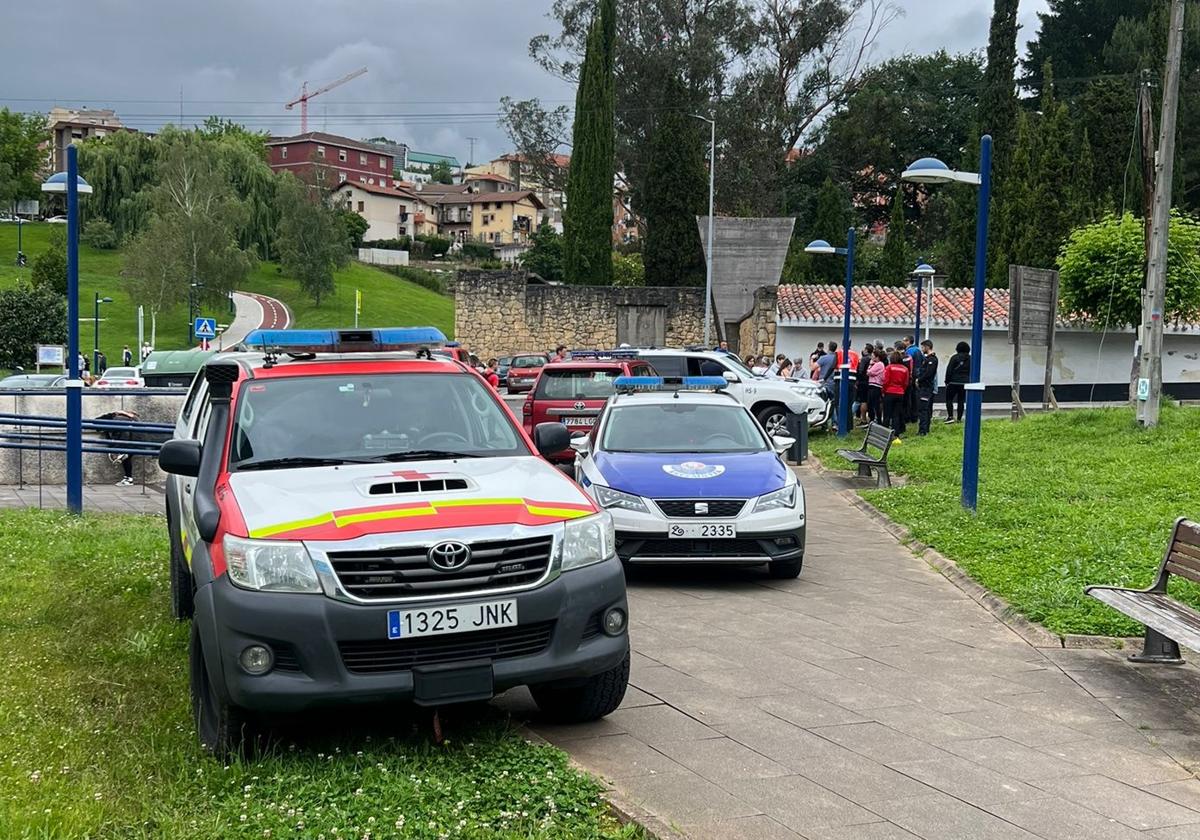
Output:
(797, 426)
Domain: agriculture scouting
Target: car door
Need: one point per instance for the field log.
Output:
(704, 366)
(187, 483)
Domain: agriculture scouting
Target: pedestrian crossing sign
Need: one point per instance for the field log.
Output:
(205, 328)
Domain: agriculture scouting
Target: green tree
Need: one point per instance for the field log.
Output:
(30, 315)
(676, 193)
(21, 156)
(441, 173)
(244, 163)
(536, 134)
(896, 260)
(587, 220)
(628, 270)
(49, 269)
(98, 233)
(1101, 269)
(356, 226)
(832, 217)
(311, 239)
(1073, 35)
(121, 169)
(545, 258)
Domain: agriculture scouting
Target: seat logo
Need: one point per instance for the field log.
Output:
(580, 406)
(701, 508)
(449, 556)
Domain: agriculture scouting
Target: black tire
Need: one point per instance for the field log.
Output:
(223, 729)
(183, 604)
(773, 419)
(598, 696)
(785, 569)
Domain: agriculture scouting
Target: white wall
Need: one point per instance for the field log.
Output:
(1081, 357)
(382, 256)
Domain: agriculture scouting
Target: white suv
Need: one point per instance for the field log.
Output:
(771, 400)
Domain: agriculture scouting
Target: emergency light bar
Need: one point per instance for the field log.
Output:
(627, 384)
(344, 341)
(603, 354)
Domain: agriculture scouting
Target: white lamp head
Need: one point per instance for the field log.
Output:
(819, 246)
(932, 171)
(57, 183)
(923, 270)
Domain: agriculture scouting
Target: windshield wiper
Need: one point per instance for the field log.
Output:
(298, 461)
(423, 455)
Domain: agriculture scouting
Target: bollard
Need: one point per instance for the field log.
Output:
(797, 426)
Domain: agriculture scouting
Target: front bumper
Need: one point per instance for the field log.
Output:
(311, 635)
(761, 537)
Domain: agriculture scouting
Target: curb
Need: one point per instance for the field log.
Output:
(1033, 633)
(625, 811)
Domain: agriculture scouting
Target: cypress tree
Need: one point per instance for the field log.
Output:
(588, 218)
(676, 193)
(894, 262)
(831, 219)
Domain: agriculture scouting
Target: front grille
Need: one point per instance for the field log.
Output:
(285, 657)
(691, 548)
(405, 571)
(593, 627)
(428, 485)
(687, 507)
(376, 657)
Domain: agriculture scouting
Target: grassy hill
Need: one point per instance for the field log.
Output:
(387, 300)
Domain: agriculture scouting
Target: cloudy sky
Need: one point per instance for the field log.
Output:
(245, 58)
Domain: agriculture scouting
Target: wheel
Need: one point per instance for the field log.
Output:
(773, 419)
(595, 698)
(223, 729)
(182, 594)
(785, 569)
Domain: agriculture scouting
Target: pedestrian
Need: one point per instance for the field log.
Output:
(146, 350)
(490, 374)
(116, 435)
(773, 370)
(560, 353)
(760, 366)
(101, 362)
(912, 357)
(785, 369)
(926, 386)
(875, 385)
(895, 385)
(827, 364)
(722, 347)
(958, 374)
(126, 356)
(750, 361)
(861, 387)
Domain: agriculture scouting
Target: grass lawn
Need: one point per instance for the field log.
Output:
(96, 738)
(387, 300)
(1065, 500)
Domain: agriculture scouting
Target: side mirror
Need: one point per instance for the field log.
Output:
(782, 443)
(731, 377)
(180, 457)
(581, 443)
(549, 438)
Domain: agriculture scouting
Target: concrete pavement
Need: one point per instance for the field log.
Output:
(97, 498)
(872, 699)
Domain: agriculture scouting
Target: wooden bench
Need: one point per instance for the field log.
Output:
(1167, 621)
(879, 437)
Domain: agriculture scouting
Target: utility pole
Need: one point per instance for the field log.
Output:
(1156, 280)
(1146, 134)
(471, 157)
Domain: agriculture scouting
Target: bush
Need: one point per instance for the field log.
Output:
(400, 243)
(476, 251)
(435, 245)
(30, 315)
(50, 266)
(628, 270)
(493, 264)
(100, 234)
(425, 279)
(356, 226)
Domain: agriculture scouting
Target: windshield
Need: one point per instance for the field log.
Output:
(528, 361)
(120, 373)
(681, 427)
(576, 384)
(736, 365)
(376, 416)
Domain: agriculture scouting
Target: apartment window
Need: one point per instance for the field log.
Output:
(320, 151)
(371, 181)
(382, 162)
(360, 207)
(283, 152)
(341, 177)
(342, 155)
(362, 179)
(362, 160)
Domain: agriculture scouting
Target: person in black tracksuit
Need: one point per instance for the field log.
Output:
(926, 386)
(958, 374)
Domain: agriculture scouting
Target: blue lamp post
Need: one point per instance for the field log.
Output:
(933, 171)
(919, 274)
(70, 183)
(820, 246)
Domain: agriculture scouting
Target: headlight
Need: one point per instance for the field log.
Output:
(780, 499)
(270, 566)
(610, 498)
(587, 541)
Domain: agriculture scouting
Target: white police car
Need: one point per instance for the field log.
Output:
(689, 475)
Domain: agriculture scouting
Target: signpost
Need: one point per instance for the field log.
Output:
(205, 328)
(1032, 313)
(51, 355)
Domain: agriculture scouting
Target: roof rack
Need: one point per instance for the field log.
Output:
(305, 342)
(624, 353)
(630, 384)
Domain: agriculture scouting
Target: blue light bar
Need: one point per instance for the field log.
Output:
(582, 355)
(344, 341)
(627, 384)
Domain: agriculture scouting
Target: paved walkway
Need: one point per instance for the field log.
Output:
(97, 498)
(254, 311)
(872, 700)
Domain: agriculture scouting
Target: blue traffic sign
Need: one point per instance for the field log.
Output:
(205, 328)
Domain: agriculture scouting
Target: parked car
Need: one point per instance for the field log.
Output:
(502, 366)
(352, 524)
(120, 377)
(29, 381)
(57, 220)
(523, 371)
(572, 393)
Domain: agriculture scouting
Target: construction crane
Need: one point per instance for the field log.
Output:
(302, 99)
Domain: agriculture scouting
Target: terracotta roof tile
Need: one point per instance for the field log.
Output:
(889, 305)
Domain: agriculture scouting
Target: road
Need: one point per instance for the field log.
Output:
(254, 311)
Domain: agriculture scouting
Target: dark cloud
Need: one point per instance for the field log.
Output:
(435, 69)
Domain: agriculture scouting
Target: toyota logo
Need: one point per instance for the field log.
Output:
(580, 406)
(449, 556)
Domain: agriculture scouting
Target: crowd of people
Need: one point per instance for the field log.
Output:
(894, 384)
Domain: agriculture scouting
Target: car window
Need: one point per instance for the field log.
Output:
(681, 427)
(369, 416)
(200, 429)
(189, 402)
(576, 383)
(528, 361)
(668, 365)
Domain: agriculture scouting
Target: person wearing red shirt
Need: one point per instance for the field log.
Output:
(895, 384)
(492, 377)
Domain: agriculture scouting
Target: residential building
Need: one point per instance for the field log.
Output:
(504, 218)
(625, 223)
(74, 125)
(323, 158)
(389, 212)
(514, 168)
(487, 182)
(418, 166)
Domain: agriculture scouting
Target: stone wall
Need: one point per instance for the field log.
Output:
(499, 313)
(756, 332)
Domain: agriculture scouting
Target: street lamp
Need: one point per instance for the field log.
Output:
(820, 246)
(918, 275)
(708, 252)
(192, 292)
(96, 330)
(933, 171)
(70, 183)
(20, 252)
